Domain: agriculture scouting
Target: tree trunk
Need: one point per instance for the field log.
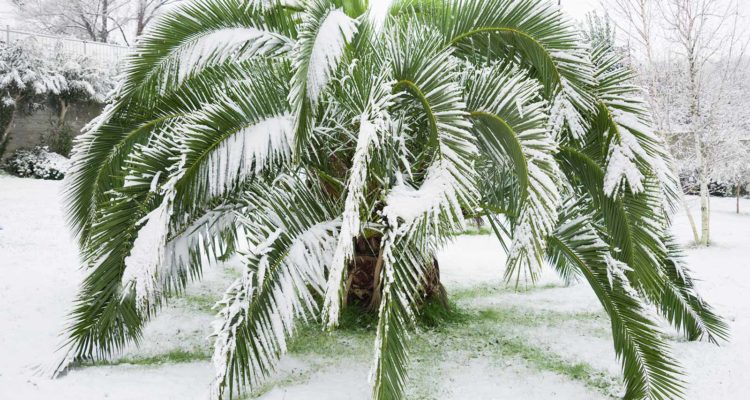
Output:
(140, 18)
(104, 32)
(5, 138)
(693, 227)
(364, 283)
(705, 213)
(62, 114)
(737, 191)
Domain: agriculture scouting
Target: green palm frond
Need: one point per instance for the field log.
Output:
(285, 260)
(510, 123)
(649, 370)
(324, 33)
(536, 34)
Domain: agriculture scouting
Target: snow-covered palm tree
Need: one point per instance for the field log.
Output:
(332, 148)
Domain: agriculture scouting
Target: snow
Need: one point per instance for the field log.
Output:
(438, 191)
(220, 45)
(38, 263)
(248, 152)
(336, 30)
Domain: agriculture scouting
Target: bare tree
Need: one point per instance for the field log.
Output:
(706, 33)
(95, 20)
(146, 10)
(685, 72)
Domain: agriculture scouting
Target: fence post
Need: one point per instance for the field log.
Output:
(84, 47)
(7, 34)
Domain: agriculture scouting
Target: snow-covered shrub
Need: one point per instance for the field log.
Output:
(39, 163)
(25, 79)
(79, 79)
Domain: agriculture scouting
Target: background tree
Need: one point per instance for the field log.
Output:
(109, 21)
(329, 143)
(710, 48)
(25, 79)
(147, 10)
(94, 20)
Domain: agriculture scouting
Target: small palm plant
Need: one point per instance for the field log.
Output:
(332, 149)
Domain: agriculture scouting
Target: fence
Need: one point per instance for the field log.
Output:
(103, 52)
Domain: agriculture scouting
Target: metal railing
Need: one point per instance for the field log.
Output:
(102, 52)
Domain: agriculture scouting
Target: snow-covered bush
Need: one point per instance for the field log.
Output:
(31, 76)
(79, 79)
(39, 163)
(24, 82)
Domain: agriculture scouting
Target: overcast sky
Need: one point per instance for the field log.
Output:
(576, 8)
(579, 8)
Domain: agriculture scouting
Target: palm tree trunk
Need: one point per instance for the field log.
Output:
(364, 283)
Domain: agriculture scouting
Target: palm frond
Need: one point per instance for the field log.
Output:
(374, 124)
(324, 33)
(533, 33)
(511, 129)
(649, 370)
(285, 263)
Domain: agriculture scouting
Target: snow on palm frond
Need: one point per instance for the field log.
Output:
(148, 254)
(237, 44)
(199, 34)
(248, 152)
(231, 161)
(635, 149)
(285, 263)
(437, 195)
(324, 33)
(403, 268)
(431, 81)
(550, 44)
(374, 124)
(430, 78)
(241, 134)
(510, 127)
(622, 164)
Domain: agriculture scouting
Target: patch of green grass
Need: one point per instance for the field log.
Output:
(434, 313)
(543, 360)
(177, 356)
(488, 290)
(201, 302)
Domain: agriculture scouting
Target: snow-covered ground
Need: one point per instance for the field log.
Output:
(545, 342)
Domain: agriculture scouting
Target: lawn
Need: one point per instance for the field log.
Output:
(500, 342)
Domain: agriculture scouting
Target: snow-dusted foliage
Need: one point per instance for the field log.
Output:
(344, 148)
(259, 310)
(325, 31)
(79, 78)
(374, 125)
(27, 70)
(219, 46)
(503, 99)
(37, 163)
(24, 71)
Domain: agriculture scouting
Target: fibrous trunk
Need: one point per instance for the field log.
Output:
(364, 276)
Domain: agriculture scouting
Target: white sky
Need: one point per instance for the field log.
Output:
(7, 14)
(579, 8)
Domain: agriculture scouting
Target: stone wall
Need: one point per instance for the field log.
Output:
(27, 129)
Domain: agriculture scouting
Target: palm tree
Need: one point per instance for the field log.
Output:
(323, 141)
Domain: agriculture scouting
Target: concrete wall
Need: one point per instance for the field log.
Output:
(27, 129)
